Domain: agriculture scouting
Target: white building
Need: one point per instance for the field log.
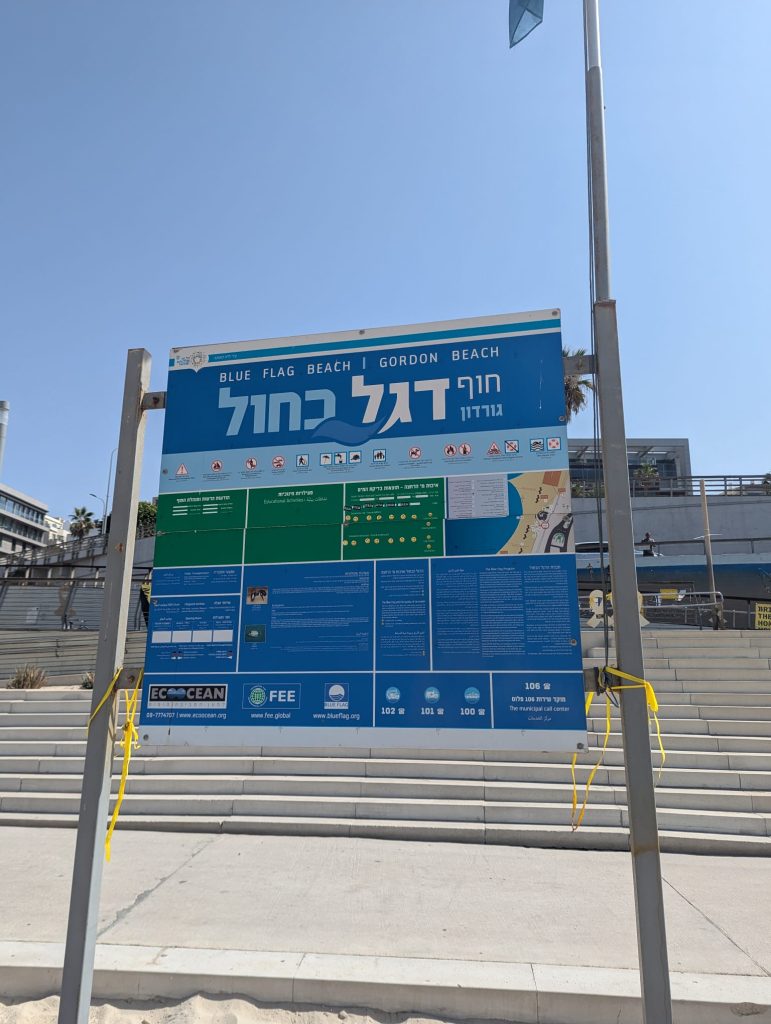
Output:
(58, 529)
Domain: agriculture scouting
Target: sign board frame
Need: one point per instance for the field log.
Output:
(468, 416)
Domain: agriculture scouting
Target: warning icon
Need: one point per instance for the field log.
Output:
(182, 470)
(493, 449)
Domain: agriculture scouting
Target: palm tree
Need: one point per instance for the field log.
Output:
(576, 387)
(81, 522)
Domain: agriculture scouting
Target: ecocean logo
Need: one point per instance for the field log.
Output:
(182, 695)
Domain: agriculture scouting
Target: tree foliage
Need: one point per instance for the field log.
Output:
(577, 388)
(147, 513)
(81, 522)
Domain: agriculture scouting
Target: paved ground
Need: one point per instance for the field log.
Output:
(380, 898)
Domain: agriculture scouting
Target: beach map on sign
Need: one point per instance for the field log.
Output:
(546, 520)
(525, 514)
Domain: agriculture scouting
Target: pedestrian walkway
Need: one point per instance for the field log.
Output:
(435, 928)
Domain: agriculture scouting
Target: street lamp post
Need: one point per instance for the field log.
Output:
(106, 499)
(104, 510)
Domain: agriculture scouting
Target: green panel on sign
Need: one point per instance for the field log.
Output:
(424, 497)
(199, 547)
(393, 540)
(293, 544)
(201, 510)
(295, 506)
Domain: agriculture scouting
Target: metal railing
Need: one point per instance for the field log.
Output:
(747, 545)
(681, 486)
(51, 554)
(690, 608)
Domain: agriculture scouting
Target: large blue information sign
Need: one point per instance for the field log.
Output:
(366, 540)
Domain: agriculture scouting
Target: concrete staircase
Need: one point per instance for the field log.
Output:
(714, 794)
(35, 605)
(64, 655)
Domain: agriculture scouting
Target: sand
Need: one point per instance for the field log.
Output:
(197, 1010)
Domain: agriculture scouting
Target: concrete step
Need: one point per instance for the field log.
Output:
(42, 748)
(716, 711)
(588, 837)
(699, 742)
(652, 653)
(48, 693)
(680, 726)
(710, 699)
(753, 700)
(698, 638)
(423, 812)
(49, 707)
(673, 685)
(42, 732)
(43, 719)
(691, 747)
(323, 787)
(729, 674)
(682, 705)
(286, 805)
(732, 674)
(752, 661)
(753, 773)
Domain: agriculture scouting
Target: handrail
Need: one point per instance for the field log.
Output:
(698, 542)
(655, 485)
(77, 547)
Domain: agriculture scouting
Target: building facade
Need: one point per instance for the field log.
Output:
(660, 464)
(22, 522)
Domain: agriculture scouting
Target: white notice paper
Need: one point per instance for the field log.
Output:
(482, 496)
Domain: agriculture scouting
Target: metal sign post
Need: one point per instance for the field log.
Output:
(641, 803)
(77, 975)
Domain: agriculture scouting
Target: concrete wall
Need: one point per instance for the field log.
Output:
(681, 519)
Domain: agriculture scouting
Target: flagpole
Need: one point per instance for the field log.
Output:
(641, 803)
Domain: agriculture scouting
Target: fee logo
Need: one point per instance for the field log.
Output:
(262, 697)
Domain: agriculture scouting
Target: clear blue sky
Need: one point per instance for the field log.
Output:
(192, 171)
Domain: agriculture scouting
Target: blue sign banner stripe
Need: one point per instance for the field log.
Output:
(395, 339)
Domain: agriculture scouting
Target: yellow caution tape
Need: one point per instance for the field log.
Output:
(650, 698)
(130, 742)
(588, 704)
(102, 702)
(635, 683)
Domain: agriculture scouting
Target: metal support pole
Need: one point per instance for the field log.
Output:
(77, 975)
(717, 610)
(641, 804)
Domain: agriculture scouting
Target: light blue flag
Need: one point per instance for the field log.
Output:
(524, 16)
